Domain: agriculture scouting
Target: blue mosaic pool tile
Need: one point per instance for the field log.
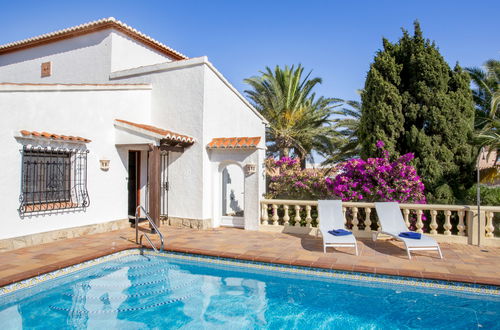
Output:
(283, 268)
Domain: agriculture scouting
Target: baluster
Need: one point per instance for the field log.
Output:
(265, 215)
(461, 225)
(297, 216)
(344, 211)
(275, 215)
(368, 222)
(406, 214)
(308, 216)
(473, 226)
(489, 224)
(447, 222)
(355, 221)
(433, 224)
(420, 224)
(286, 217)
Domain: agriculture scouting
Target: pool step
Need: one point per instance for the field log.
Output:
(84, 310)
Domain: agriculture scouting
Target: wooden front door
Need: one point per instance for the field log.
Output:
(154, 179)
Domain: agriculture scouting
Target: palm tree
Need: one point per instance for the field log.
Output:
(486, 92)
(490, 135)
(345, 143)
(488, 130)
(298, 121)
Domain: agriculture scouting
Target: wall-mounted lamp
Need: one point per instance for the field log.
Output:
(104, 164)
(250, 169)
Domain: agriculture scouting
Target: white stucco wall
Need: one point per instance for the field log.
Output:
(177, 105)
(252, 183)
(226, 115)
(83, 59)
(127, 53)
(88, 113)
(190, 97)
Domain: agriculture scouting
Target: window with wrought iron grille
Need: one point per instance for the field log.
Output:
(53, 179)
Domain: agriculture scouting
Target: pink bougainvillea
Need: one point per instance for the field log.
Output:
(288, 180)
(378, 179)
(374, 179)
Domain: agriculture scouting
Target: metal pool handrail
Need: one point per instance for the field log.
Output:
(153, 225)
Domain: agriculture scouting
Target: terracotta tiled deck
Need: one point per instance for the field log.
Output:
(461, 262)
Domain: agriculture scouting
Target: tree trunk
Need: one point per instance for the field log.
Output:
(303, 163)
(284, 152)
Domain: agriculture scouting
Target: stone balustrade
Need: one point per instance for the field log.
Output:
(453, 223)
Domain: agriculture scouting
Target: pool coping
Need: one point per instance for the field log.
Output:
(454, 286)
(492, 281)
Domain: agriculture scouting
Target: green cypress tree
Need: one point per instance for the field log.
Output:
(414, 102)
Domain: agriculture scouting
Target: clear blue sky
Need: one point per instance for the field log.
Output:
(336, 39)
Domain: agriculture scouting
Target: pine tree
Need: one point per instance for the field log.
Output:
(414, 102)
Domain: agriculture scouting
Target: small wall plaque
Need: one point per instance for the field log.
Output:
(46, 69)
(250, 169)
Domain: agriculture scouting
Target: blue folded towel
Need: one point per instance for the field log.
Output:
(339, 232)
(410, 234)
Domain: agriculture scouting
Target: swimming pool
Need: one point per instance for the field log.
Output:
(130, 291)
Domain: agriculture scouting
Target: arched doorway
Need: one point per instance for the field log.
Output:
(233, 196)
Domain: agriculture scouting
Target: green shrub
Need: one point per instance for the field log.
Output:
(443, 195)
(489, 195)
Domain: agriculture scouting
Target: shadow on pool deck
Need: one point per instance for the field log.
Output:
(313, 244)
(461, 262)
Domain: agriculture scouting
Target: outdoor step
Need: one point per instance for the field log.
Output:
(145, 230)
(131, 219)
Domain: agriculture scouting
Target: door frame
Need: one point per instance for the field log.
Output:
(138, 174)
(237, 221)
(165, 183)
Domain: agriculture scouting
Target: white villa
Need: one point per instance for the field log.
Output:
(99, 119)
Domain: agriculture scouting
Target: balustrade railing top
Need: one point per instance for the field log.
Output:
(447, 220)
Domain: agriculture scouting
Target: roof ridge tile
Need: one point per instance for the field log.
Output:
(104, 22)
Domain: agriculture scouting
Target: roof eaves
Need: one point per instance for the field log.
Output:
(135, 128)
(52, 136)
(90, 27)
(154, 132)
(234, 143)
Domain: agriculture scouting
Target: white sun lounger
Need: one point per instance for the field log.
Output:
(331, 217)
(392, 224)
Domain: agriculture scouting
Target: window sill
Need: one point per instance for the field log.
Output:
(48, 206)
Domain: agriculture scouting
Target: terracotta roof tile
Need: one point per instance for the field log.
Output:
(165, 134)
(90, 27)
(234, 143)
(53, 136)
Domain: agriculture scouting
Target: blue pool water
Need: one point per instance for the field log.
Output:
(143, 292)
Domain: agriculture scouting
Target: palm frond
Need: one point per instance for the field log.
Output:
(299, 121)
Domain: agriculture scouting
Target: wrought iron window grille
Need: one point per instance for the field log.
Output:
(53, 180)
